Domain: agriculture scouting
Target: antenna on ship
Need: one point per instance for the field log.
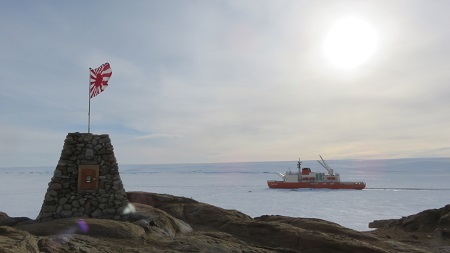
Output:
(299, 164)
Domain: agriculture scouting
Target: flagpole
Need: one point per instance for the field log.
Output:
(89, 94)
(98, 79)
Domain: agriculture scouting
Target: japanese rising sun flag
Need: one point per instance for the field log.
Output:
(99, 79)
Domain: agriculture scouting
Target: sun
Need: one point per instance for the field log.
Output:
(349, 43)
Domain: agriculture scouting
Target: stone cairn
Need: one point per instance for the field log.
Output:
(86, 181)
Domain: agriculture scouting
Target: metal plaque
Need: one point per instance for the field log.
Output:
(88, 177)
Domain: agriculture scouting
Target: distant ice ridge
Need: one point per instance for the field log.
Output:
(395, 188)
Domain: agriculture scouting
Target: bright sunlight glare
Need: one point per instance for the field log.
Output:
(349, 43)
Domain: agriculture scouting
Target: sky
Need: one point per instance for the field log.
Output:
(206, 81)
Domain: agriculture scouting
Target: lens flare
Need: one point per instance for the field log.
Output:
(83, 226)
(129, 209)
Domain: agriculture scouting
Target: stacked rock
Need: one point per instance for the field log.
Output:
(105, 196)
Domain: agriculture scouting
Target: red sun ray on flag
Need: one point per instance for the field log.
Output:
(99, 79)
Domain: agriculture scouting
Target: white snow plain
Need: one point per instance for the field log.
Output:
(395, 188)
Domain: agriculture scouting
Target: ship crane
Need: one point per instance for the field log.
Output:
(281, 175)
(325, 165)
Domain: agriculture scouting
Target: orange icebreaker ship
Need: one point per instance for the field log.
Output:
(304, 178)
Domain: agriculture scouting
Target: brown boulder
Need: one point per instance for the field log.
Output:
(194, 213)
(14, 240)
(277, 233)
(425, 221)
(158, 221)
(165, 223)
(90, 227)
(427, 229)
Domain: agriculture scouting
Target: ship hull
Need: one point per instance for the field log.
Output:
(316, 185)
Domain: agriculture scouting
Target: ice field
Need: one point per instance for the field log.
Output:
(395, 188)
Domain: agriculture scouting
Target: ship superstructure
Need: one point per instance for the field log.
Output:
(305, 178)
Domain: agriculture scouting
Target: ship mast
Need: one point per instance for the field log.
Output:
(299, 165)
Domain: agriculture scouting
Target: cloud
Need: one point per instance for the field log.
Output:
(223, 81)
(157, 136)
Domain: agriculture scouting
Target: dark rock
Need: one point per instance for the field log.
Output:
(445, 220)
(427, 229)
(66, 213)
(384, 223)
(11, 221)
(425, 221)
(3, 215)
(165, 223)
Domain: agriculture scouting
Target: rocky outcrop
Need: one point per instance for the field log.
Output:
(166, 223)
(430, 229)
(426, 221)
(277, 233)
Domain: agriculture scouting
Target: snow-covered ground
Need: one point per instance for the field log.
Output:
(395, 188)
